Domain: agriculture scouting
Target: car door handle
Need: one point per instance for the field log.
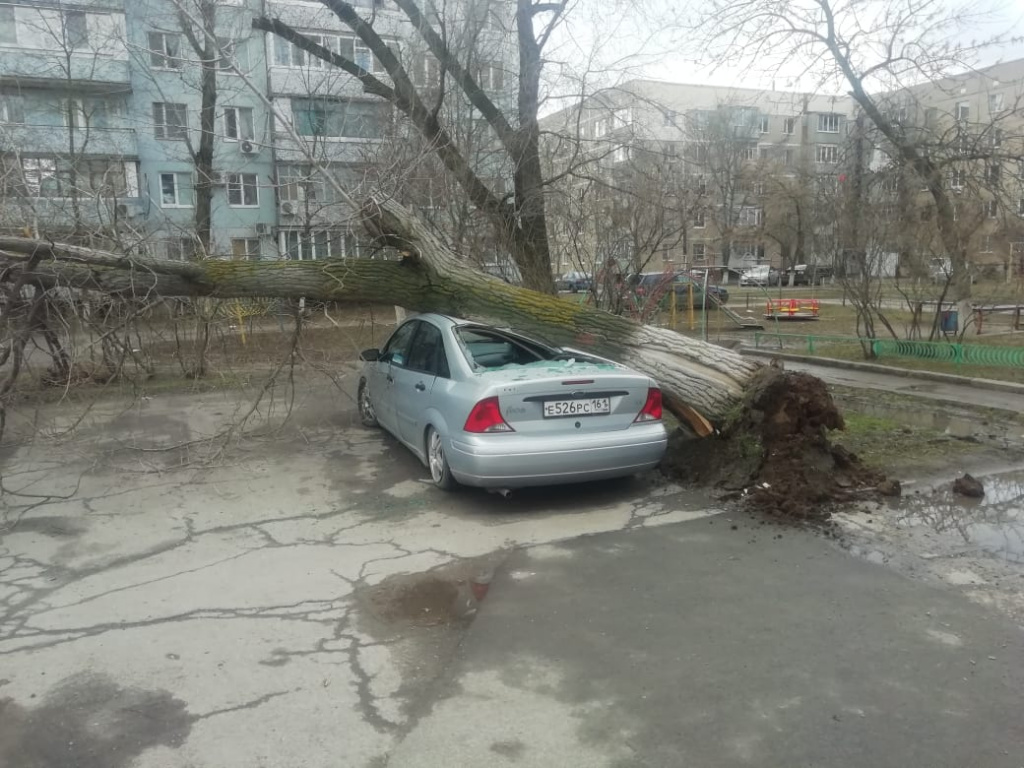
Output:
(421, 386)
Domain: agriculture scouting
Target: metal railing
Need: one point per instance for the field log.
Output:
(935, 351)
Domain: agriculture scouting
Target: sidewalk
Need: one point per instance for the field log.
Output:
(720, 644)
(944, 387)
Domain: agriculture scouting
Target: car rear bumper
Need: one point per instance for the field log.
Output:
(516, 461)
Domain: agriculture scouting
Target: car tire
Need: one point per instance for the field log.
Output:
(366, 413)
(437, 462)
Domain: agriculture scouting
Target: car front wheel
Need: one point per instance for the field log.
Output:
(366, 413)
(440, 472)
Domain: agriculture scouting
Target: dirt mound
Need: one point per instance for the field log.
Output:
(774, 451)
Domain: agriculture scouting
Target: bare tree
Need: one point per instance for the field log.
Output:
(873, 49)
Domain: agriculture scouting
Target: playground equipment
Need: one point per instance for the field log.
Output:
(792, 309)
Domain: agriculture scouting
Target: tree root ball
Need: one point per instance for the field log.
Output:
(774, 450)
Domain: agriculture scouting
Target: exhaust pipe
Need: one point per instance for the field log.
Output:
(505, 492)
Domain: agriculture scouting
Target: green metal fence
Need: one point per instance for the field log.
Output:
(937, 351)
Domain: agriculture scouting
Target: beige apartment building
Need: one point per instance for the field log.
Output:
(655, 175)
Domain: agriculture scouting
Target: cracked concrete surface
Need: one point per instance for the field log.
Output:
(157, 611)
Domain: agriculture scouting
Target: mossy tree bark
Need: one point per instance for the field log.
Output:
(430, 277)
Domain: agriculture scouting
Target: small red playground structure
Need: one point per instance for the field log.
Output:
(792, 309)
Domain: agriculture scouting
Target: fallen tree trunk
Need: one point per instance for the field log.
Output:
(430, 277)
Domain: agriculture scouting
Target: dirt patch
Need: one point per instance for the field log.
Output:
(774, 452)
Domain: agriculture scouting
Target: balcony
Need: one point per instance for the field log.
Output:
(57, 141)
(86, 72)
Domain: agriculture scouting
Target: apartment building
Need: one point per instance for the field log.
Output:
(110, 132)
(719, 156)
(743, 176)
(973, 125)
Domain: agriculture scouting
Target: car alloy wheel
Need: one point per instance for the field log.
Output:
(366, 412)
(440, 473)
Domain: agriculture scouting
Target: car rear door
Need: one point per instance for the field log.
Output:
(414, 383)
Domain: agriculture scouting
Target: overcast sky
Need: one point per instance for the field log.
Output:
(610, 41)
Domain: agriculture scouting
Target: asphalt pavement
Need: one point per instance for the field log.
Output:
(715, 643)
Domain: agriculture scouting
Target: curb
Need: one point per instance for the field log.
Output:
(945, 378)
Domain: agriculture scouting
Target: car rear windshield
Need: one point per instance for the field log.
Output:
(492, 349)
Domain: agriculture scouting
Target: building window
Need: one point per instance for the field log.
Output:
(750, 151)
(765, 125)
(40, 176)
(12, 111)
(745, 251)
(957, 178)
(699, 220)
(8, 29)
(669, 117)
(620, 154)
(700, 252)
(245, 248)
(164, 50)
(995, 102)
(995, 172)
(491, 77)
(1020, 207)
(340, 119)
(702, 185)
(175, 190)
(230, 56)
(758, 188)
(826, 153)
(299, 183)
(426, 72)
(76, 29)
(787, 157)
(600, 127)
(829, 123)
(243, 190)
(986, 244)
(762, 153)
(748, 217)
(170, 121)
(789, 126)
(238, 124)
(318, 244)
(995, 138)
(992, 209)
(963, 111)
(180, 248)
(351, 48)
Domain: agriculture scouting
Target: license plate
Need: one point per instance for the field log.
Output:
(593, 406)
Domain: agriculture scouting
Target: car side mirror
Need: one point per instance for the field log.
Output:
(370, 355)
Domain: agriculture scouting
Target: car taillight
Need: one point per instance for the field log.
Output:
(486, 417)
(652, 408)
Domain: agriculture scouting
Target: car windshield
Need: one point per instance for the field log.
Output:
(486, 348)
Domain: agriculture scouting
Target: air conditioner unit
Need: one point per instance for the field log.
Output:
(287, 208)
(262, 228)
(247, 148)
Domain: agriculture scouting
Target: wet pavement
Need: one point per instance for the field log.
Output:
(282, 600)
(303, 597)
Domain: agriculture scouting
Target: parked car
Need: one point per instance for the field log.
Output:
(488, 407)
(573, 282)
(809, 274)
(758, 275)
(658, 284)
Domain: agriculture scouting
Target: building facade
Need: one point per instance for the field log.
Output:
(658, 175)
(172, 127)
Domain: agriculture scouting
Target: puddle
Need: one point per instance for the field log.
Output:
(993, 524)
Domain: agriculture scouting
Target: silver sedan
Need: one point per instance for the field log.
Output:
(491, 408)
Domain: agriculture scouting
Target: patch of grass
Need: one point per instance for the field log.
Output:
(886, 445)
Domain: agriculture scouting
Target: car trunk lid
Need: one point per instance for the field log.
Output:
(553, 397)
